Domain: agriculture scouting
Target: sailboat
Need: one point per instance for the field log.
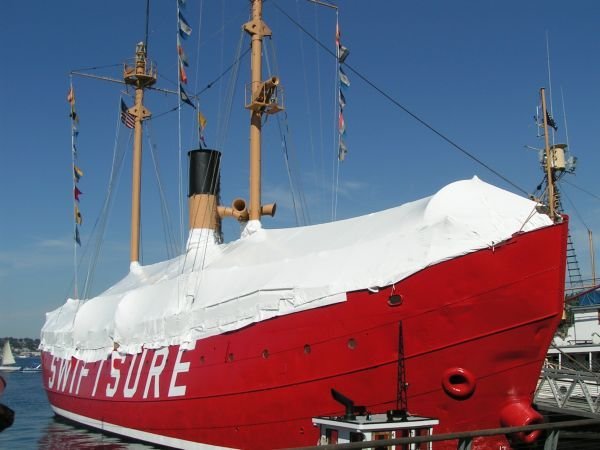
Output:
(8, 361)
(442, 307)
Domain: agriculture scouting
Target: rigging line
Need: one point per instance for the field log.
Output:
(96, 67)
(582, 190)
(336, 111)
(550, 82)
(169, 238)
(406, 110)
(290, 156)
(235, 63)
(147, 24)
(224, 123)
(179, 150)
(117, 163)
(308, 98)
(563, 192)
(74, 185)
(562, 97)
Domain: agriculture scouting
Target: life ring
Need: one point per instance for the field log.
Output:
(458, 382)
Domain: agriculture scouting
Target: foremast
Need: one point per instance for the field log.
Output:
(550, 165)
(141, 75)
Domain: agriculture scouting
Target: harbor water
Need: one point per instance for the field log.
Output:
(35, 426)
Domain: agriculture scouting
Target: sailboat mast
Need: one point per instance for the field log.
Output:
(549, 160)
(141, 75)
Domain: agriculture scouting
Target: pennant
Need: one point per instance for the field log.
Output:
(341, 123)
(344, 78)
(201, 121)
(77, 173)
(182, 74)
(71, 96)
(202, 142)
(77, 239)
(182, 56)
(184, 97)
(550, 121)
(76, 193)
(127, 118)
(342, 150)
(78, 217)
(342, 100)
(74, 149)
(184, 28)
(343, 53)
(73, 115)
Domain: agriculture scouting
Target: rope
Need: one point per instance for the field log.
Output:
(406, 110)
(296, 189)
(226, 116)
(168, 235)
(102, 220)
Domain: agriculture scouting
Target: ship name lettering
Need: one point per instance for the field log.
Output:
(155, 371)
(129, 392)
(53, 373)
(82, 373)
(175, 391)
(63, 374)
(115, 374)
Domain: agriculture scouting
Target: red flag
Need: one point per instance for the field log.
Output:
(77, 193)
(182, 75)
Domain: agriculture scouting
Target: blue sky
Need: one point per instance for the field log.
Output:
(470, 69)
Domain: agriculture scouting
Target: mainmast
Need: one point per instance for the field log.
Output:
(140, 75)
(262, 99)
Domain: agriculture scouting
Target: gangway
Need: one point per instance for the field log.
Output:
(568, 391)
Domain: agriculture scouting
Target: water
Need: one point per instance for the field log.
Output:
(35, 426)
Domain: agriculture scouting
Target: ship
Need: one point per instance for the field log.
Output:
(442, 307)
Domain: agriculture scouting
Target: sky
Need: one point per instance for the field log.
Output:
(471, 70)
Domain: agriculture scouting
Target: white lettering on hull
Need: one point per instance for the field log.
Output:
(177, 391)
(129, 392)
(155, 371)
(115, 374)
(61, 378)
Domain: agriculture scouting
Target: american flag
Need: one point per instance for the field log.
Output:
(127, 118)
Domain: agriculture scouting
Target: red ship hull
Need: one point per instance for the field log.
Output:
(488, 316)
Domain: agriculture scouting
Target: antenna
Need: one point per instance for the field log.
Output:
(147, 23)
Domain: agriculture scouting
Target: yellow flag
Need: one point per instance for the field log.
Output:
(201, 121)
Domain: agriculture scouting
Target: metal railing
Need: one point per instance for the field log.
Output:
(569, 391)
(464, 438)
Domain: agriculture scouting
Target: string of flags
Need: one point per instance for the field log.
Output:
(540, 121)
(184, 32)
(342, 53)
(77, 172)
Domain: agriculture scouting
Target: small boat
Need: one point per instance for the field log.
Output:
(8, 360)
(36, 368)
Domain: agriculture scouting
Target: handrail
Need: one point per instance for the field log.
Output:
(455, 436)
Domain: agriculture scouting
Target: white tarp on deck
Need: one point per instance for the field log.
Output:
(217, 288)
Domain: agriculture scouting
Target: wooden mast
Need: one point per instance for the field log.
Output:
(549, 160)
(263, 99)
(140, 75)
